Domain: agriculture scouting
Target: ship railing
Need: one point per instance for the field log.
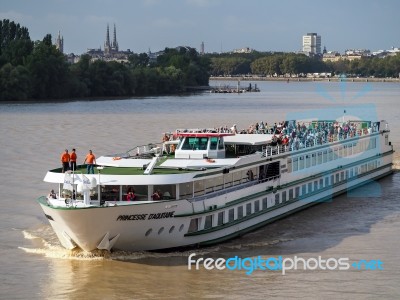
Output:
(149, 149)
(232, 189)
(269, 151)
(195, 130)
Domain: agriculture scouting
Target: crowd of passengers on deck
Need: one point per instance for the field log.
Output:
(296, 135)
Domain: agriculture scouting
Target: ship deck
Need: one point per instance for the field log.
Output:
(81, 169)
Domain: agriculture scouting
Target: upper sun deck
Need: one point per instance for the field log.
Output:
(194, 151)
(305, 138)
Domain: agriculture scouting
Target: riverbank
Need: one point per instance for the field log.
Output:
(188, 90)
(298, 79)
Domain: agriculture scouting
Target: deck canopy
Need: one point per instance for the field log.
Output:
(248, 139)
(204, 134)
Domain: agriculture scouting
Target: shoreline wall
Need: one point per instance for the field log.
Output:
(298, 79)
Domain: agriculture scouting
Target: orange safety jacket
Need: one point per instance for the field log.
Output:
(73, 156)
(65, 157)
(89, 159)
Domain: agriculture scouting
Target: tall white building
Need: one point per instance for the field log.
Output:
(312, 43)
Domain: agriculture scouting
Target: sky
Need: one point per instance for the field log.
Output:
(223, 25)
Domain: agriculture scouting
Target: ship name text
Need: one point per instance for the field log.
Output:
(163, 215)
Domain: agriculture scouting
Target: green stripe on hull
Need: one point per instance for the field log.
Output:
(261, 224)
(269, 191)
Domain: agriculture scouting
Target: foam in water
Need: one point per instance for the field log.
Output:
(396, 161)
(51, 250)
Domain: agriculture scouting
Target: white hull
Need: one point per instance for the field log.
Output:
(211, 196)
(185, 222)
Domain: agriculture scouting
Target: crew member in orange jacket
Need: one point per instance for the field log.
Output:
(73, 158)
(65, 158)
(90, 161)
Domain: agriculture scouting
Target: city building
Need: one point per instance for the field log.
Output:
(312, 43)
(202, 48)
(361, 52)
(243, 50)
(153, 55)
(111, 50)
(331, 56)
(383, 53)
(72, 58)
(60, 42)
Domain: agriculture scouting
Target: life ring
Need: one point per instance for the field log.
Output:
(116, 158)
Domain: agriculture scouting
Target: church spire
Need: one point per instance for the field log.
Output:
(60, 42)
(115, 36)
(115, 43)
(108, 36)
(110, 48)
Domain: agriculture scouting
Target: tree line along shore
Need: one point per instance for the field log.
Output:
(37, 71)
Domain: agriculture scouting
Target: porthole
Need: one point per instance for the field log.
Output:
(181, 228)
(160, 230)
(148, 232)
(171, 229)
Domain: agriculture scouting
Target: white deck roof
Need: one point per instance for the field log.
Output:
(169, 163)
(199, 163)
(248, 139)
(132, 163)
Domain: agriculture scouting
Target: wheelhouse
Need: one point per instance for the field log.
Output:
(201, 145)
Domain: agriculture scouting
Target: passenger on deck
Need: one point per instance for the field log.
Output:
(157, 195)
(166, 139)
(274, 140)
(234, 129)
(52, 195)
(262, 127)
(131, 196)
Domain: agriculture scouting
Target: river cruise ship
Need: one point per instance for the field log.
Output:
(204, 186)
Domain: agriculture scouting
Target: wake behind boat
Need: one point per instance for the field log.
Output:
(204, 186)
